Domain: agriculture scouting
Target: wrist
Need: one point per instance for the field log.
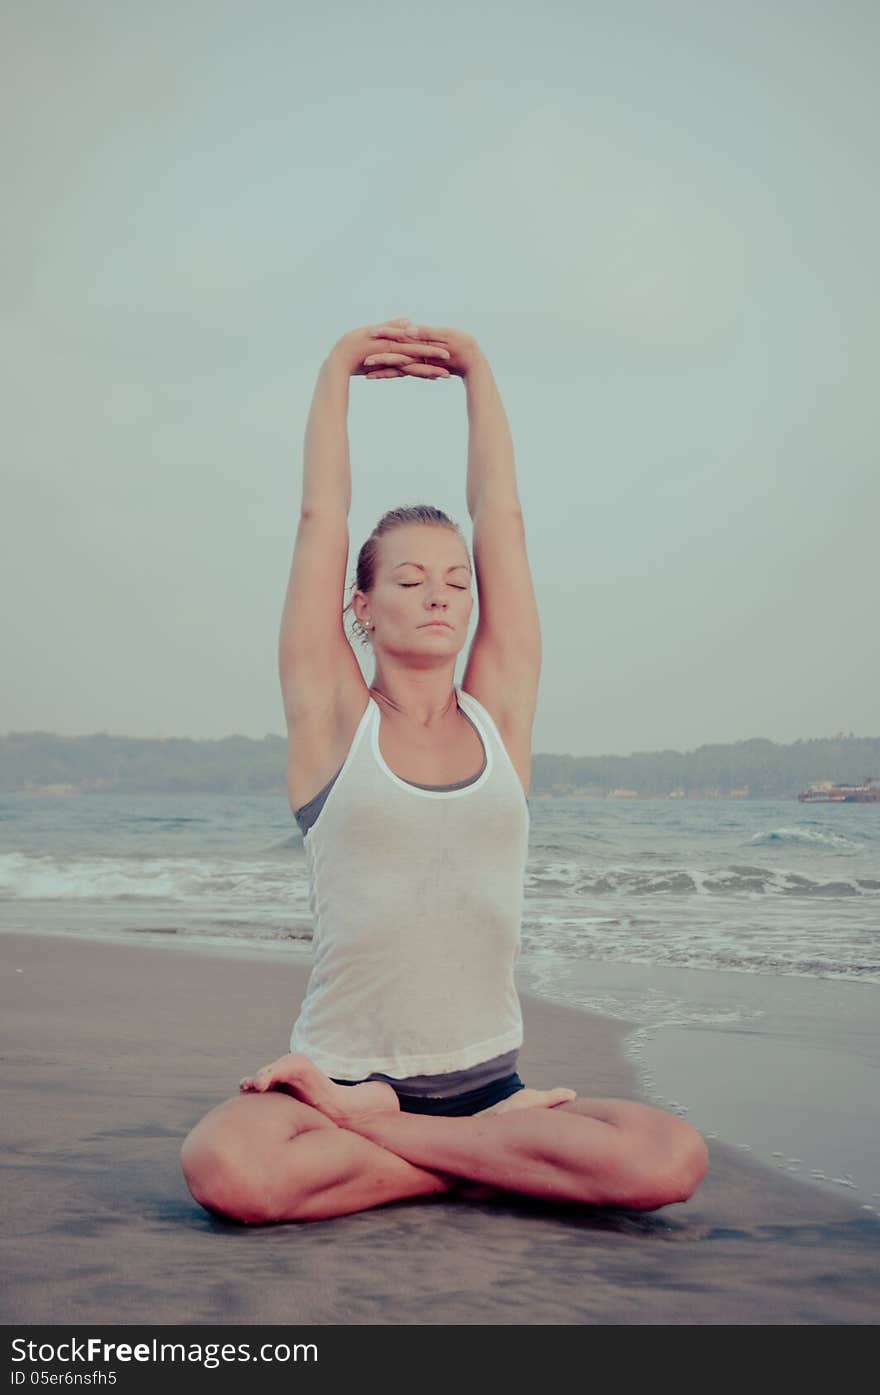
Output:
(338, 363)
(475, 363)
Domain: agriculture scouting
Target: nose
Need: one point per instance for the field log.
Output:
(435, 608)
(436, 600)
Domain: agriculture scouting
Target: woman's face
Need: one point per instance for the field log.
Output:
(423, 576)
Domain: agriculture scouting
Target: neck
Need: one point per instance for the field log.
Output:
(422, 701)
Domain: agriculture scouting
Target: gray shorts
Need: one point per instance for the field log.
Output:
(466, 1102)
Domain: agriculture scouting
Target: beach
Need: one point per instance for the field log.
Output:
(113, 1050)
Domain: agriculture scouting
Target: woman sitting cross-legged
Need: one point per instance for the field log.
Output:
(411, 795)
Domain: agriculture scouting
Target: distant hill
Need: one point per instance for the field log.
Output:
(41, 762)
(754, 769)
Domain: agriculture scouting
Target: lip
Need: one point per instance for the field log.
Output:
(436, 624)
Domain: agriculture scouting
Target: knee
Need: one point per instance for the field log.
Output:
(224, 1178)
(669, 1172)
(691, 1160)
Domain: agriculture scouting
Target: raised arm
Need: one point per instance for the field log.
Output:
(312, 641)
(315, 658)
(504, 663)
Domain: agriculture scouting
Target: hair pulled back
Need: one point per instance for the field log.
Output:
(365, 575)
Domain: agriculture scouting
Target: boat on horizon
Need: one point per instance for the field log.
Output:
(868, 792)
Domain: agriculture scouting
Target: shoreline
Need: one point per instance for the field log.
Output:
(700, 1039)
(116, 1050)
(68, 791)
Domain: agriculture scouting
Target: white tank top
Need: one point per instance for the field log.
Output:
(416, 898)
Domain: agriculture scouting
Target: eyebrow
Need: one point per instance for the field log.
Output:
(464, 566)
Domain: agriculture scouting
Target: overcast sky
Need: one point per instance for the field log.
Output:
(659, 221)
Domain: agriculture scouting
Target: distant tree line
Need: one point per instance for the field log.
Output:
(755, 769)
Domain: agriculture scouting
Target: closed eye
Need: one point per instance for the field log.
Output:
(453, 584)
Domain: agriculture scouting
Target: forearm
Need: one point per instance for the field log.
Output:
(326, 483)
(491, 471)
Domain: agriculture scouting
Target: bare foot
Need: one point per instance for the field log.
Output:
(532, 1099)
(344, 1104)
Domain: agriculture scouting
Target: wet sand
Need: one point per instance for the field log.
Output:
(112, 1051)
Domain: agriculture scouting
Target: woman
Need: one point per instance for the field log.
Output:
(401, 1080)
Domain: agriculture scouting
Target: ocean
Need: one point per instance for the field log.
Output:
(739, 939)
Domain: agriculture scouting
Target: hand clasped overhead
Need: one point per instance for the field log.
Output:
(415, 344)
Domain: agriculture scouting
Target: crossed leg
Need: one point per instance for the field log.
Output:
(268, 1156)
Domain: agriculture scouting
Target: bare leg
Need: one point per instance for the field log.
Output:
(564, 1154)
(270, 1157)
(598, 1151)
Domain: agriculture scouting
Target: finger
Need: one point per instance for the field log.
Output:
(426, 350)
(385, 373)
(399, 333)
(426, 370)
(438, 333)
(388, 360)
(393, 329)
